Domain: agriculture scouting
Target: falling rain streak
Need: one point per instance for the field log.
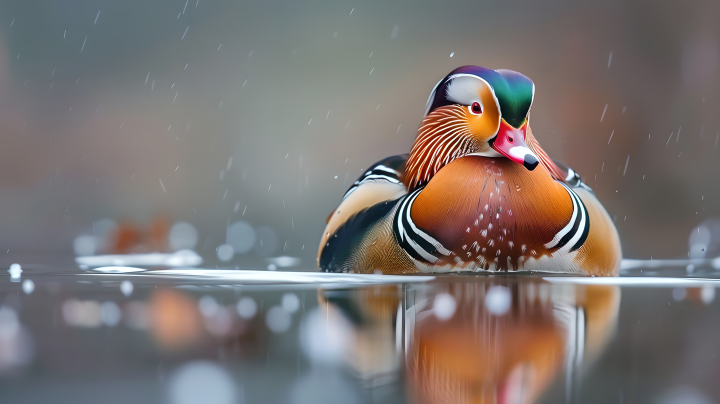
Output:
(626, 164)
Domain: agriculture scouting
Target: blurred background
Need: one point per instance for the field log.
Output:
(246, 121)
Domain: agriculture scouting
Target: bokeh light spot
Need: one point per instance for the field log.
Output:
(290, 302)
(246, 308)
(182, 236)
(28, 286)
(278, 320)
(241, 236)
(126, 288)
(444, 306)
(202, 382)
(225, 252)
(498, 300)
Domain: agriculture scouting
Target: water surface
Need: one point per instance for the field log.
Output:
(233, 336)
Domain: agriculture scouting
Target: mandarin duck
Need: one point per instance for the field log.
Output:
(475, 193)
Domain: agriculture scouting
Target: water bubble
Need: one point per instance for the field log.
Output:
(202, 382)
(116, 269)
(679, 294)
(110, 314)
(707, 294)
(28, 286)
(241, 236)
(325, 341)
(225, 252)
(285, 261)
(126, 288)
(182, 236)
(444, 306)
(81, 314)
(183, 258)
(9, 324)
(246, 308)
(278, 320)
(15, 272)
(208, 306)
(498, 300)
(84, 245)
(290, 302)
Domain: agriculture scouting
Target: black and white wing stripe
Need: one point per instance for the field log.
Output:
(414, 241)
(573, 179)
(378, 173)
(572, 236)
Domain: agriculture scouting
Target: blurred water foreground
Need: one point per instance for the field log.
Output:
(119, 334)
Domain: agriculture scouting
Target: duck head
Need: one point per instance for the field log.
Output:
(473, 111)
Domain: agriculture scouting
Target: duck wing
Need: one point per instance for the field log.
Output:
(365, 209)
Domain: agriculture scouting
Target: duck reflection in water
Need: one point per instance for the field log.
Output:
(489, 340)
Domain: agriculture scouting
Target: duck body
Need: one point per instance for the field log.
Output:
(473, 210)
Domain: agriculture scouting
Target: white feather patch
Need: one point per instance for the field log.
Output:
(465, 90)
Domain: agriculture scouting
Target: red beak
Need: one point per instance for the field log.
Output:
(510, 142)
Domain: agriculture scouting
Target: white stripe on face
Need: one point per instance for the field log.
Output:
(519, 152)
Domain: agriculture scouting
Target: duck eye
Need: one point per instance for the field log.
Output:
(475, 108)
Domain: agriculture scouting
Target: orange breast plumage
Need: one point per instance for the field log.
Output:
(492, 213)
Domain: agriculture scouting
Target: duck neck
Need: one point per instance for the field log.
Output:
(442, 137)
